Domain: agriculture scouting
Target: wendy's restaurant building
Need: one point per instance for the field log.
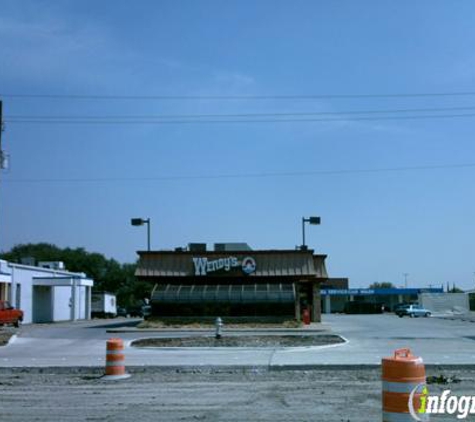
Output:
(233, 280)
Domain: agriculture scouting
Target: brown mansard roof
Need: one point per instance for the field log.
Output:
(269, 263)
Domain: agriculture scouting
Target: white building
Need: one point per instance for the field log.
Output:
(46, 294)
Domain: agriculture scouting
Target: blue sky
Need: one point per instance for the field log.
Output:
(375, 225)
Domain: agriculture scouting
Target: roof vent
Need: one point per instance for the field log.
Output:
(232, 247)
(52, 265)
(197, 247)
(28, 260)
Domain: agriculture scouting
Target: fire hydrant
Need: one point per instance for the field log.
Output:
(306, 316)
(218, 324)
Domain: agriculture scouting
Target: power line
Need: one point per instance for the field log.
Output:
(285, 120)
(20, 117)
(231, 97)
(246, 175)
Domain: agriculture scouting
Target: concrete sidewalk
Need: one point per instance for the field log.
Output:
(370, 337)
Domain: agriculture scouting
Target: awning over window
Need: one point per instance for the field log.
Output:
(243, 293)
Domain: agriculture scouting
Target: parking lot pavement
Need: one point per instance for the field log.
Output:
(370, 337)
(466, 317)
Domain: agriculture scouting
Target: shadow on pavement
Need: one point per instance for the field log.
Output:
(117, 324)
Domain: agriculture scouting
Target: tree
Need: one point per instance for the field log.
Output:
(132, 290)
(455, 289)
(383, 285)
(108, 274)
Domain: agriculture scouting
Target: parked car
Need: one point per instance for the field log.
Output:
(146, 311)
(141, 311)
(400, 306)
(10, 315)
(122, 312)
(412, 311)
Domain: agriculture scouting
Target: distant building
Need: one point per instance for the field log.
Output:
(338, 299)
(46, 293)
(335, 283)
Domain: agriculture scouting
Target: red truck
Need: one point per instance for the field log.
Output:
(10, 315)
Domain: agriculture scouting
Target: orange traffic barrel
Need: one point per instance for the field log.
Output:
(115, 360)
(404, 379)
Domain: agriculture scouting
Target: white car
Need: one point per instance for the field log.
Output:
(412, 311)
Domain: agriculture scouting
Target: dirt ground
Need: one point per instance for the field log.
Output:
(152, 394)
(5, 334)
(242, 341)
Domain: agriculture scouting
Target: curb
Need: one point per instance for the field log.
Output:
(12, 339)
(208, 369)
(211, 330)
(130, 343)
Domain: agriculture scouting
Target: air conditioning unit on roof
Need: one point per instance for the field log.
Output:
(52, 265)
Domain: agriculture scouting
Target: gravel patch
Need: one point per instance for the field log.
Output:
(5, 335)
(274, 341)
(229, 395)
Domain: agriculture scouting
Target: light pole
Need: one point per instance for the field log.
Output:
(3, 156)
(405, 279)
(1, 130)
(141, 222)
(309, 220)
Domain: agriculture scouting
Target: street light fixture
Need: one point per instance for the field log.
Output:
(309, 220)
(141, 222)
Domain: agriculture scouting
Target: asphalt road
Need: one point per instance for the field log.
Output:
(370, 337)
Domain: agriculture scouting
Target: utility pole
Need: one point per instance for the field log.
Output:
(405, 279)
(2, 156)
(1, 130)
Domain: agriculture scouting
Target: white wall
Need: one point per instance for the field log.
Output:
(42, 309)
(61, 302)
(25, 278)
(445, 302)
(61, 295)
(82, 302)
